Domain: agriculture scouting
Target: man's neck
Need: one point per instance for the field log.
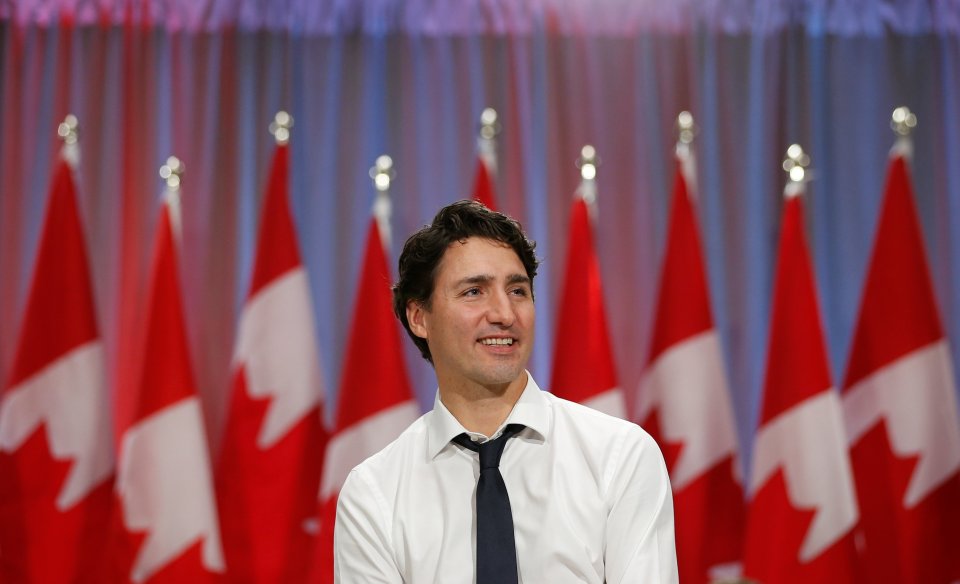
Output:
(479, 408)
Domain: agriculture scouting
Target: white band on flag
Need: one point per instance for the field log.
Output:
(277, 349)
(915, 396)
(609, 402)
(165, 484)
(687, 385)
(807, 442)
(365, 438)
(69, 397)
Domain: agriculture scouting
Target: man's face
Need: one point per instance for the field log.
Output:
(480, 323)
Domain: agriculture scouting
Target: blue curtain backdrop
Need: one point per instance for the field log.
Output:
(202, 80)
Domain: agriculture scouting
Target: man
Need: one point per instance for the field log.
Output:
(567, 494)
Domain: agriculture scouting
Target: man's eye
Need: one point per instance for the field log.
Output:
(519, 292)
(471, 292)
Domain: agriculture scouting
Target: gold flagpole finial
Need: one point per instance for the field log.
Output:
(686, 127)
(903, 121)
(588, 162)
(280, 127)
(796, 163)
(489, 127)
(68, 129)
(382, 173)
(171, 173)
(487, 139)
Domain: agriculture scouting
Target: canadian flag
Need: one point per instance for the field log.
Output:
(486, 169)
(56, 449)
(269, 467)
(375, 401)
(684, 401)
(166, 511)
(900, 406)
(802, 510)
(583, 369)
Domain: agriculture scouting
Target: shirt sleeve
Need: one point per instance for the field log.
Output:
(361, 536)
(640, 546)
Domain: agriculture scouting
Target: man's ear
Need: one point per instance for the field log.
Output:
(416, 317)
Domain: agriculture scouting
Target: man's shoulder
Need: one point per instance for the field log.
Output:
(390, 458)
(594, 426)
(612, 450)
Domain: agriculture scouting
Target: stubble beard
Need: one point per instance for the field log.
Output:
(500, 375)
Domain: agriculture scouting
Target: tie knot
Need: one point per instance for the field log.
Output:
(490, 451)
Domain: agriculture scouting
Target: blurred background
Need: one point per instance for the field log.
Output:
(203, 79)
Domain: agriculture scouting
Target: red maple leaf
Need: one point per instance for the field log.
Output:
(266, 497)
(775, 533)
(899, 545)
(706, 534)
(39, 542)
(709, 515)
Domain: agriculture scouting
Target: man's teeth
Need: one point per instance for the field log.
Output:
(497, 341)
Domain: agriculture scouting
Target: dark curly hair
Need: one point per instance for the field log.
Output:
(424, 249)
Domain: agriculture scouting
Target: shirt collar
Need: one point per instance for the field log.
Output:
(532, 410)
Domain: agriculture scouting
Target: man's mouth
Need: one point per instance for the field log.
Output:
(496, 341)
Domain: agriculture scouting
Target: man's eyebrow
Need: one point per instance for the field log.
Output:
(486, 279)
(478, 279)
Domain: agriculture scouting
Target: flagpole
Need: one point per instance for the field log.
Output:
(383, 174)
(68, 130)
(686, 130)
(487, 138)
(172, 172)
(795, 165)
(902, 122)
(686, 127)
(280, 127)
(588, 163)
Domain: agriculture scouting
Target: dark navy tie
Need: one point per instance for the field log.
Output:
(496, 550)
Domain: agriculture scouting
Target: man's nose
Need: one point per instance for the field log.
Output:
(500, 309)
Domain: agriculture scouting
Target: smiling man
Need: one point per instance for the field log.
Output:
(501, 482)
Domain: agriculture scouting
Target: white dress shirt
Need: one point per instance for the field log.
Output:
(590, 497)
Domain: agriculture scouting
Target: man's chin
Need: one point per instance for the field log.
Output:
(503, 376)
